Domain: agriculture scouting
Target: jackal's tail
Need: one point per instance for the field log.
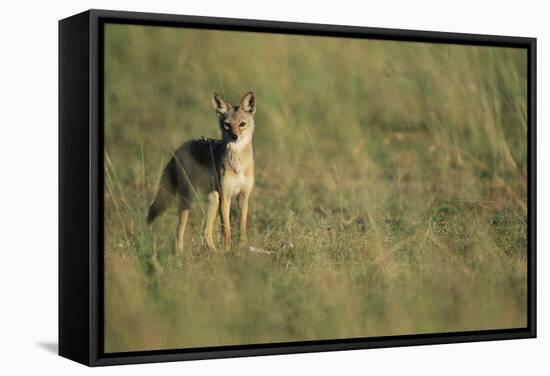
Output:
(165, 193)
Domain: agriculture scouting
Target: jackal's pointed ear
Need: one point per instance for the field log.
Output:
(220, 105)
(248, 103)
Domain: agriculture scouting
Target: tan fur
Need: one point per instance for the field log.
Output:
(184, 215)
(220, 168)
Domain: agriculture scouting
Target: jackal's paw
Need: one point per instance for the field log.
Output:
(209, 245)
(226, 244)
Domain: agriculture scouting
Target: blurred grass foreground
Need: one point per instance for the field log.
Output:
(390, 189)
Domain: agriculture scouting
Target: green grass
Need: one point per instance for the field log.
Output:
(390, 189)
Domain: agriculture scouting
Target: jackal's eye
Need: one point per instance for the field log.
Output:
(242, 125)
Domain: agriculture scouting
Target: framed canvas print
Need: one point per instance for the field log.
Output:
(240, 187)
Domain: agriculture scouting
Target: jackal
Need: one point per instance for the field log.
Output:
(220, 168)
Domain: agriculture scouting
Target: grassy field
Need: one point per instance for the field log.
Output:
(390, 189)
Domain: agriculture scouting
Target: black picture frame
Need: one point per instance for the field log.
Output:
(81, 186)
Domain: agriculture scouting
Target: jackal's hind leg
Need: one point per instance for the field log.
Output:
(183, 216)
(213, 204)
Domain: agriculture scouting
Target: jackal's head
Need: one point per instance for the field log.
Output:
(236, 122)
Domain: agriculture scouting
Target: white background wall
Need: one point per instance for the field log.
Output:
(28, 184)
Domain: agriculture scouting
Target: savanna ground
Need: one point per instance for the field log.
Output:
(390, 191)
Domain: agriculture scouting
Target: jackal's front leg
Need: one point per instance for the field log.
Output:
(225, 211)
(243, 203)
